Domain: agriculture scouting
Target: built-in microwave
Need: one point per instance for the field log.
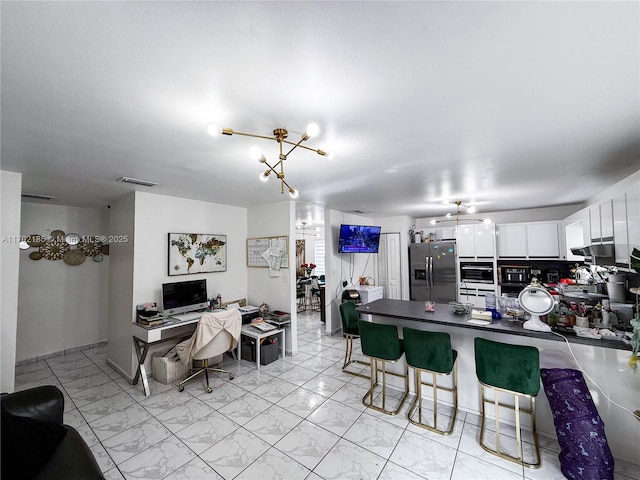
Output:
(476, 272)
(514, 274)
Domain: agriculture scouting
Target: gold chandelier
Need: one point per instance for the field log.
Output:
(451, 217)
(279, 135)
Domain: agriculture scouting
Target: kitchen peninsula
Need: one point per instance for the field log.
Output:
(414, 311)
(605, 361)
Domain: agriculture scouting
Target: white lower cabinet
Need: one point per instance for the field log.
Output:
(369, 293)
(475, 294)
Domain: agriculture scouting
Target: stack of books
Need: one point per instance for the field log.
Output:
(148, 315)
(151, 321)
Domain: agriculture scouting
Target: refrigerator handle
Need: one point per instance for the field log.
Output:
(431, 273)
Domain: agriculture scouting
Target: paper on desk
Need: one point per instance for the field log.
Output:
(475, 321)
(233, 305)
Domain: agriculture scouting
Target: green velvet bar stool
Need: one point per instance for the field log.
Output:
(350, 331)
(514, 370)
(381, 344)
(431, 352)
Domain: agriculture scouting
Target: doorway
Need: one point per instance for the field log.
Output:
(389, 265)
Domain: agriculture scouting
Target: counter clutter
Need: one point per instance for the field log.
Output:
(444, 315)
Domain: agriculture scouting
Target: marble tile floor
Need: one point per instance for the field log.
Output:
(298, 418)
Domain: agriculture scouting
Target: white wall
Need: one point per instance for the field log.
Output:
(121, 267)
(69, 303)
(141, 267)
(10, 191)
(159, 215)
(278, 292)
(342, 267)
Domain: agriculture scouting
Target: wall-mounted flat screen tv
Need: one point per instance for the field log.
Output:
(358, 239)
(182, 297)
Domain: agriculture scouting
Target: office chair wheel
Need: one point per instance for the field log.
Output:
(231, 376)
(209, 389)
(181, 388)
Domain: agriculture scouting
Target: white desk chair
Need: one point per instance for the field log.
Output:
(217, 333)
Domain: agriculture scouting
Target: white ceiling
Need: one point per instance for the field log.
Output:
(510, 104)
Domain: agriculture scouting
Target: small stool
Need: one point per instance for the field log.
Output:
(350, 331)
(301, 299)
(315, 300)
(381, 344)
(431, 352)
(515, 370)
(315, 294)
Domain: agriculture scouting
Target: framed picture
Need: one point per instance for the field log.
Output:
(197, 253)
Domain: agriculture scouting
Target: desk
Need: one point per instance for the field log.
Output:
(144, 337)
(252, 332)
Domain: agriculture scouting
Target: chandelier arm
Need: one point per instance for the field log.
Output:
(295, 145)
(279, 175)
(254, 135)
(272, 168)
(301, 146)
(285, 183)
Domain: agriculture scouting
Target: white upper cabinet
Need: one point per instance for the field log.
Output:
(606, 221)
(633, 216)
(476, 241)
(601, 219)
(512, 241)
(543, 240)
(613, 217)
(620, 233)
(530, 240)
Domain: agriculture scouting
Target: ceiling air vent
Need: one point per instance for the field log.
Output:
(37, 196)
(137, 181)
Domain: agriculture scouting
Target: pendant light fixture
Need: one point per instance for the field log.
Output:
(280, 136)
(303, 229)
(455, 217)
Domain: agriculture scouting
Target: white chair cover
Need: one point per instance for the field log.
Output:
(221, 325)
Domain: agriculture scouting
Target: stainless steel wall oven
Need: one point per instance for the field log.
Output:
(476, 272)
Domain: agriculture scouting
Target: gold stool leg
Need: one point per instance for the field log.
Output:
(347, 357)
(417, 402)
(374, 383)
(519, 458)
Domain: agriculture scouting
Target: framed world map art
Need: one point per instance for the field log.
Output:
(197, 253)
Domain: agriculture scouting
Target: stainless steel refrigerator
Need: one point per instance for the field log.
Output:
(432, 267)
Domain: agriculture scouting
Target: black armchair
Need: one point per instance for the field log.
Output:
(35, 443)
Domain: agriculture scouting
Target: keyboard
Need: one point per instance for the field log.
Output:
(183, 317)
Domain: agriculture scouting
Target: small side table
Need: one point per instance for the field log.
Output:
(252, 332)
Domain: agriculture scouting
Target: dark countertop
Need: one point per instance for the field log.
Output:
(412, 310)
